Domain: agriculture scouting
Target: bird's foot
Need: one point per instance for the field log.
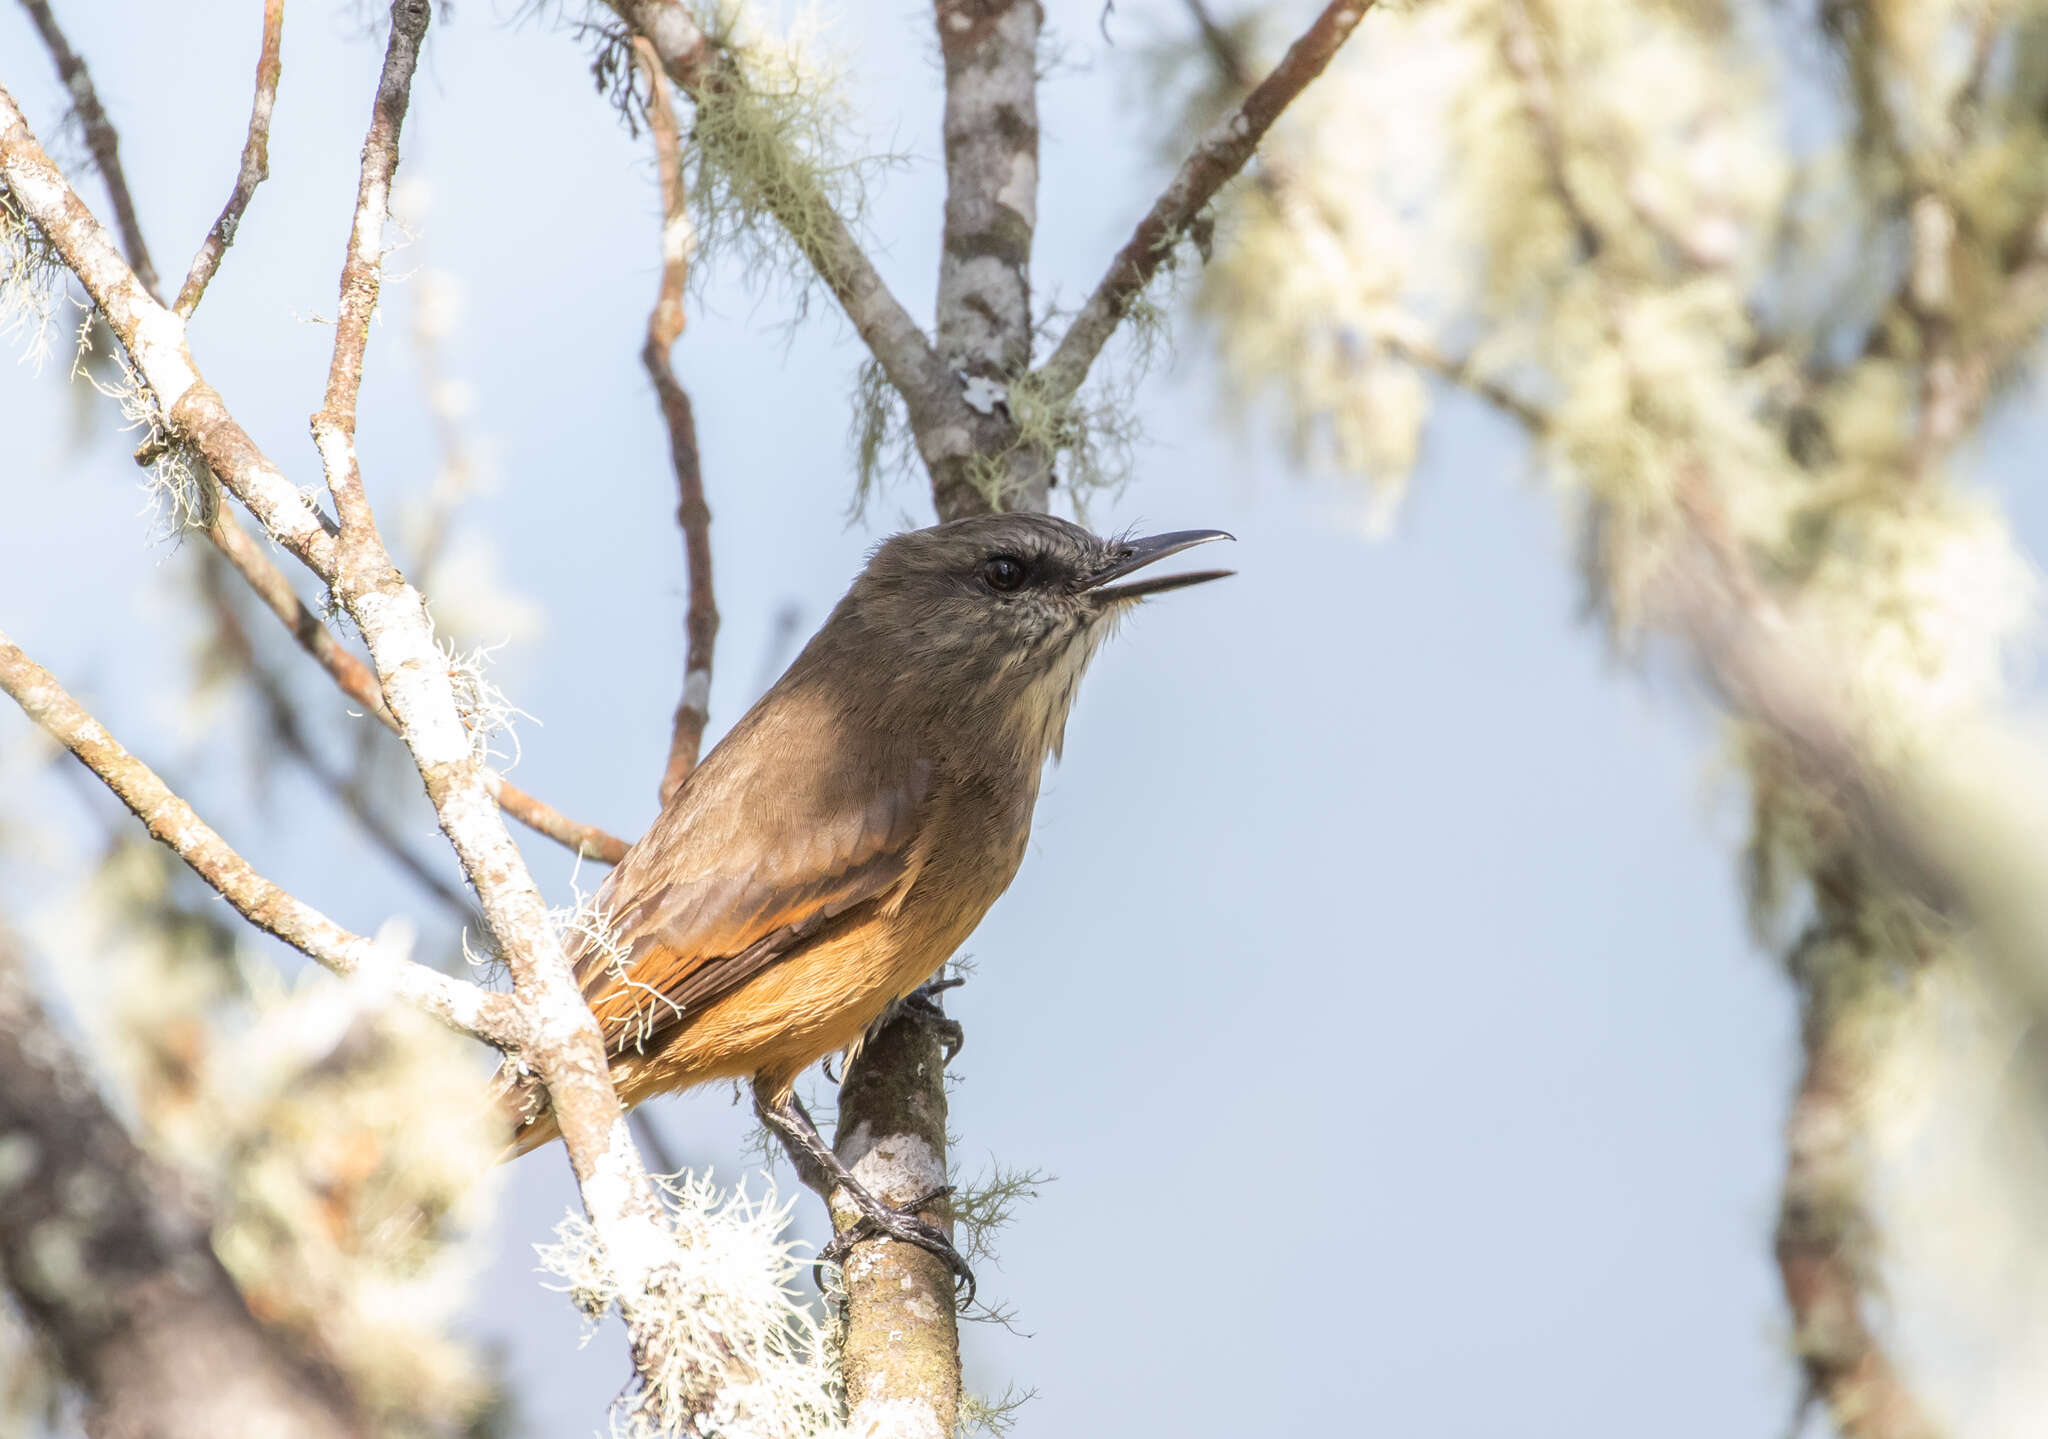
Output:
(825, 1172)
(905, 1225)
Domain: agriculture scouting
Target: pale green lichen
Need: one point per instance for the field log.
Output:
(768, 169)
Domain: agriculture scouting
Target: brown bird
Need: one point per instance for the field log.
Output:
(835, 849)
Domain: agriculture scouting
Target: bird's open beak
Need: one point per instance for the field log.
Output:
(1136, 554)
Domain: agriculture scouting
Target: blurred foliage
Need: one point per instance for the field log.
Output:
(340, 1141)
(1745, 270)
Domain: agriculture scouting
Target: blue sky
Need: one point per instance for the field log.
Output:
(1376, 985)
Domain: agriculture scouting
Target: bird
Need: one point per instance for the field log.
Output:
(837, 846)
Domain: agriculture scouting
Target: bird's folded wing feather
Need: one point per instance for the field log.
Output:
(747, 862)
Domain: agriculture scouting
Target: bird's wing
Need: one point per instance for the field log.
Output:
(751, 857)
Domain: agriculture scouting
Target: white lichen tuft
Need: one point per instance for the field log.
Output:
(743, 1359)
(589, 931)
(486, 713)
(31, 279)
(180, 493)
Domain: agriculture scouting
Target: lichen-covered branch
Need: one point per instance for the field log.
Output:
(100, 136)
(1219, 156)
(155, 340)
(693, 515)
(117, 1270)
(355, 679)
(171, 821)
(285, 727)
(561, 1042)
(255, 166)
(939, 416)
(1820, 1219)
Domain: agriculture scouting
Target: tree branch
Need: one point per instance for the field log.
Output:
(100, 136)
(1220, 155)
(118, 1271)
(990, 50)
(693, 516)
(939, 417)
(171, 821)
(255, 167)
(561, 1042)
(357, 682)
(155, 340)
(1819, 1211)
(285, 727)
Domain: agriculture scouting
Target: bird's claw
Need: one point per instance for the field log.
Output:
(924, 1002)
(903, 1224)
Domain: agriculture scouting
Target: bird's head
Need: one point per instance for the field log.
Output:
(1002, 612)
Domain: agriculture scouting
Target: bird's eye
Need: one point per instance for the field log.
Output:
(1003, 573)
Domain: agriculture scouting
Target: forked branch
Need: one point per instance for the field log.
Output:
(1221, 154)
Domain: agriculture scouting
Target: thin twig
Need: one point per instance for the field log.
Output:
(1282, 186)
(1219, 157)
(939, 416)
(362, 268)
(255, 168)
(171, 821)
(100, 137)
(355, 680)
(1221, 47)
(1522, 48)
(1459, 371)
(693, 516)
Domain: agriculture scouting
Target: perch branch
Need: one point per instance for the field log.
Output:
(902, 1347)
